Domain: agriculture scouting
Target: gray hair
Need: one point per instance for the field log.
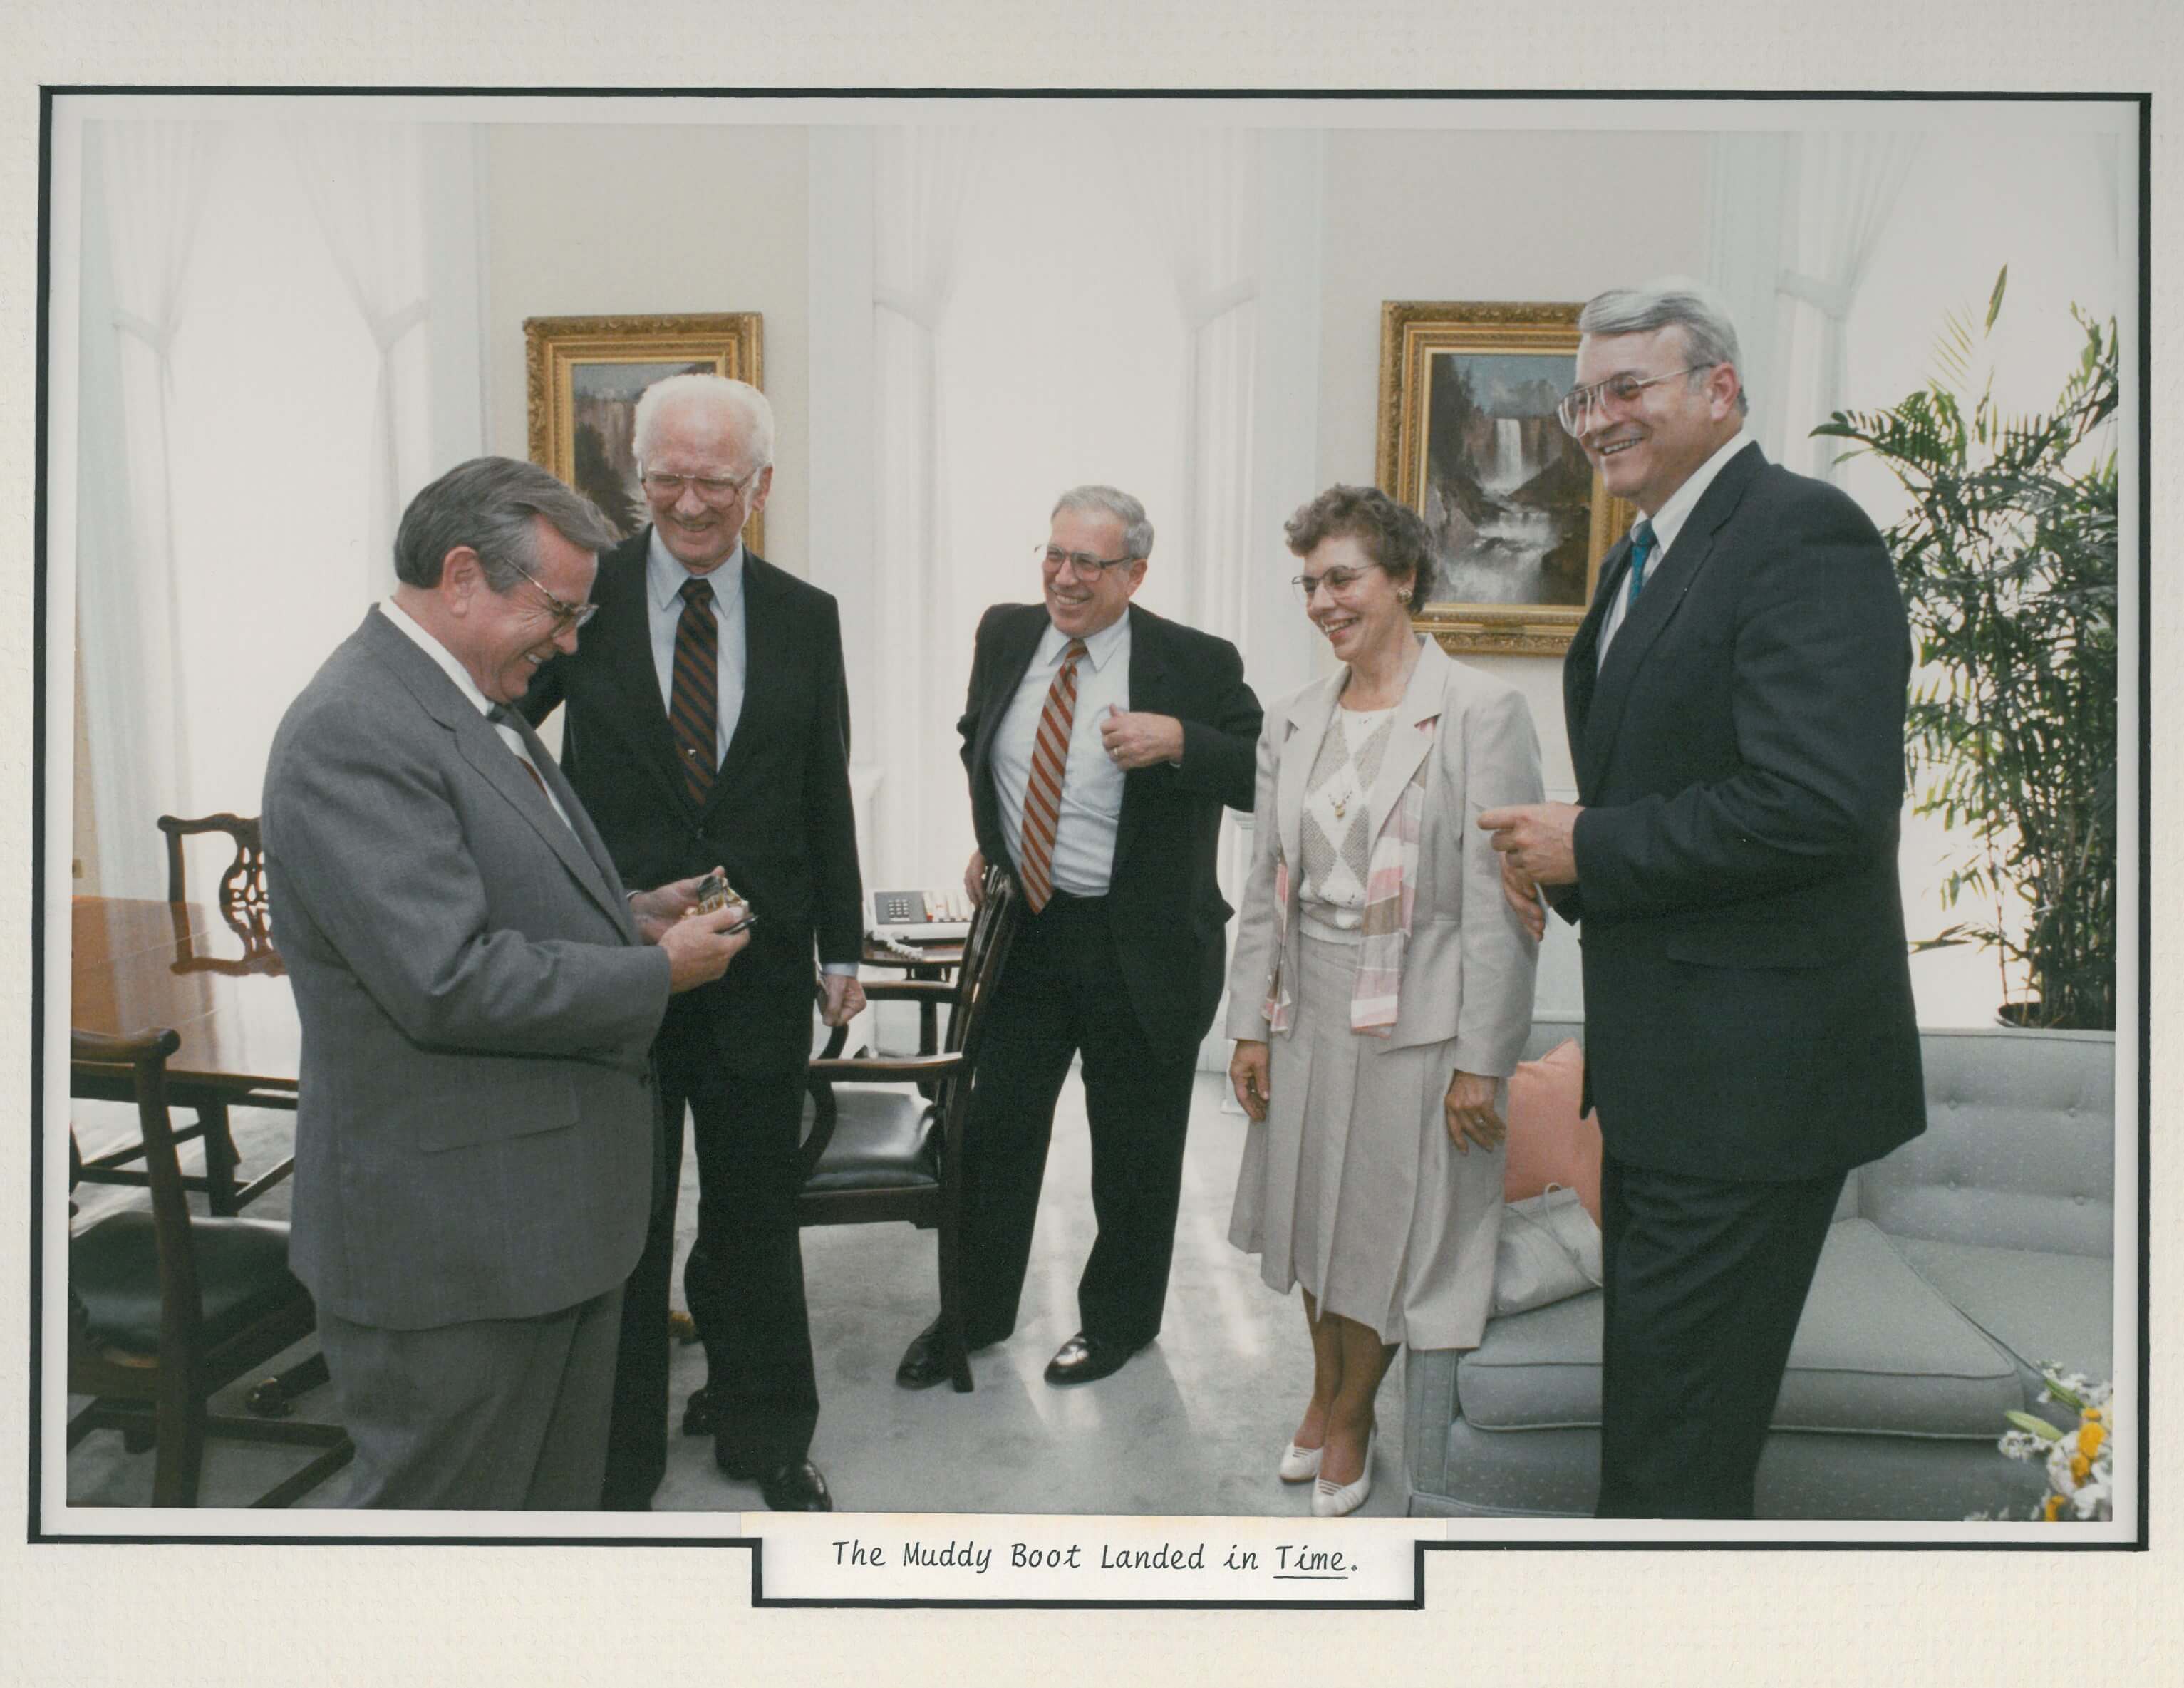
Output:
(1672, 302)
(1137, 530)
(490, 505)
(753, 415)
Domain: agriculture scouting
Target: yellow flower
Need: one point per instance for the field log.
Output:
(2080, 1467)
(2051, 1509)
(2090, 1437)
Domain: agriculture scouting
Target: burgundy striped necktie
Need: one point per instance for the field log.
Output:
(1049, 754)
(694, 699)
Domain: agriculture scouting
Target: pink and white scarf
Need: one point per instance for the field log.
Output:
(1390, 877)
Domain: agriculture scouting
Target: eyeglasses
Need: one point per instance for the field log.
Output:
(566, 614)
(711, 488)
(1575, 408)
(1081, 564)
(1336, 581)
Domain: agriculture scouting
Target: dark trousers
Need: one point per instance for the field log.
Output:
(1060, 992)
(744, 1280)
(1705, 1281)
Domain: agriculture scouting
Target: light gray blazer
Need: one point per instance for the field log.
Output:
(474, 1131)
(1468, 968)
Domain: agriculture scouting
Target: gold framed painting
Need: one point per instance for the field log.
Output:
(1468, 439)
(584, 373)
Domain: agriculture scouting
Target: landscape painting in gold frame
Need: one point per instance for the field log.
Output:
(1468, 439)
(584, 373)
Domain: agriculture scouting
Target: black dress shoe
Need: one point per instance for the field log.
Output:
(797, 1487)
(698, 1414)
(925, 1362)
(1086, 1359)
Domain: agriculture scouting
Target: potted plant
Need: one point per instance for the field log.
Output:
(2007, 561)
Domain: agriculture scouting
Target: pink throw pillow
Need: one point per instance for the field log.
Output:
(1548, 1142)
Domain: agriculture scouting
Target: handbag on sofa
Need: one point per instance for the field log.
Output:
(1549, 1250)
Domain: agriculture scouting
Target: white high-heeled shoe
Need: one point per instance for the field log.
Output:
(1332, 1500)
(1299, 1465)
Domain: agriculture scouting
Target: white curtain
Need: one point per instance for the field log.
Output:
(1202, 187)
(1846, 187)
(1203, 190)
(1749, 183)
(364, 182)
(922, 179)
(145, 185)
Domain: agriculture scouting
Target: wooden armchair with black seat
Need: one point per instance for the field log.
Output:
(886, 1141)
(166, 1309)
(242, 902)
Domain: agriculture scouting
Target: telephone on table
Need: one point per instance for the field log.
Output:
(936, 916)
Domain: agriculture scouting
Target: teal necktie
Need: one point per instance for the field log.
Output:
(1642, 549)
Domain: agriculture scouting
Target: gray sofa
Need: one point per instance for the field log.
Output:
(1955, 1265)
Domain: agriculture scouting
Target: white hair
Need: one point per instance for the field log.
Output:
(1677, 302)
(753, 414)
(1097, 500)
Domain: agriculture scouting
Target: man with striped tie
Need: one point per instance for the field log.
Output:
(1101, 742)
(708, 721)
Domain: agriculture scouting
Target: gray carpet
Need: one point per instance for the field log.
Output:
(1192, 1425)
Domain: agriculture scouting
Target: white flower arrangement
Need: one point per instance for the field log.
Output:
(2080, 1470)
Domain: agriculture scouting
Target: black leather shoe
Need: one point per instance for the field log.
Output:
(925, 1362)
(797, 1487)
(698, 1414)
(1086, 1359)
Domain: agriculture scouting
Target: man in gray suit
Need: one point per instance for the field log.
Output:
(475, 1130)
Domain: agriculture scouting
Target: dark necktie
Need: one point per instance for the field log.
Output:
(1641, 550)
(694, 700)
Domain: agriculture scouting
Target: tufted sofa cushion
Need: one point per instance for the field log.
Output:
(1878, 1351)
(2019, 1147)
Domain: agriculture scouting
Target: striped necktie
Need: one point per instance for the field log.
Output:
(501, 715)
(694, 699)
(1049, 756)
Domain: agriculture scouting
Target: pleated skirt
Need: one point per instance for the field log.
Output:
(1350, 1186)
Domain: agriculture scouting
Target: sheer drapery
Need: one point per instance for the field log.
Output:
(145, 185)
(364, 182)
(923, 179)
(1846, 189)
(1749, 182)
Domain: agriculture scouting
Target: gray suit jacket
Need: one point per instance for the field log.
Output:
(1468, 968)
(474, 1134)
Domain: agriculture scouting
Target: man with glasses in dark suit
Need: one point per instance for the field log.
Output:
(707, 720)
(1734, 700)
(1102, 743)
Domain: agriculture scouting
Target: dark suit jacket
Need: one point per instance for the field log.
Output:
(1739, 757)
(476, 1112)
(778, 818)
(1165, 906)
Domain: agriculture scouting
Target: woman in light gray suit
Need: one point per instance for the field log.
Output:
(1382, 986)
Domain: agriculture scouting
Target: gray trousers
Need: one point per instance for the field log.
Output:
(495, 1414)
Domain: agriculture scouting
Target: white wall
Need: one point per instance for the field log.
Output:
(594, 219)
(1551, 218)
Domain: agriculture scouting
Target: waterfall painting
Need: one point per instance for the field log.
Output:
(1468, 439)
(585, 373)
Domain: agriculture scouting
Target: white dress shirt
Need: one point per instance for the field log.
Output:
(1667, 523)
(1091, 783)
(663, 598)
(407, 624)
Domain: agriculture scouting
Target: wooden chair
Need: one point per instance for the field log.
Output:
(887, 1134)
(166, 1310)
(242, 903)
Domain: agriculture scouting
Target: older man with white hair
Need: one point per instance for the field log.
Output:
(708, 721)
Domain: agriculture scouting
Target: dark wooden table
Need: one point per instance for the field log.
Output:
(218, 985)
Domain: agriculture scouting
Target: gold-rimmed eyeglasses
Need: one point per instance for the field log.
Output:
(1082, 564)
(1336, 581)
(714, 489)
(1574, 411)
(566, 614)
